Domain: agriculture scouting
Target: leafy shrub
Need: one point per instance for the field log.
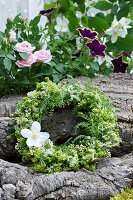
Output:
(60, 34)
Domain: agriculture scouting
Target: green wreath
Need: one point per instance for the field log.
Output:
(98, 120)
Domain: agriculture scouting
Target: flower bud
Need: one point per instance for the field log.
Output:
(21, 19)
(9, 21)
(12, 37)
(4, 41)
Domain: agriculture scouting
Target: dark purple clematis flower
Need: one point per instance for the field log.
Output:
(96, 49)
(87, 33)
(46, 12)
(76, 53)
(119, 65)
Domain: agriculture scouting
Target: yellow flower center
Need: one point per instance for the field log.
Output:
(35, 135)
(62, 25)
(115, 33)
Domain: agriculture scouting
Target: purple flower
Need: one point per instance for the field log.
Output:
(119, 65)
(87, 33)
(96, 49)
(46, 12)
(76, 53)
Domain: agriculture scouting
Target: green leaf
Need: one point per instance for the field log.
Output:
(35, 21)
(95, 66)
(113, 0)
(24, 56)
(64, 5)
(56, 78)
(98, 24)
(35, 30)
(10, 57)
(101, 15)
(23, 35)
(1, 36)
(81, 7)
(103, 5)
(114, 9)
(73, 21)
(7, 63)
(60, 67)
(84, 21)
(109, 18)
(52, 5)
(39, 74)
(2, 54)
(16, 19)
(122, 44)
(123, 12)
(25, 82)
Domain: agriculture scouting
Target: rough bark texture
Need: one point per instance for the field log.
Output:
(20, 183)
(119, 87)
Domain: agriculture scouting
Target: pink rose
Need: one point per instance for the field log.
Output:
(23, 63)
(24, 47)
(43, 56)
(12, 37)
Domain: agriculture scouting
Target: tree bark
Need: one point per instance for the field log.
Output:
(20, 183)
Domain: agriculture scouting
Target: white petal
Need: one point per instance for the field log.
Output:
(65, 21)
(36, 127)
(65, 29)
(26, 133)
(44, 136)
(109, 31)
(57, 28)
(114, 38)
(59, 20)
(32, 142)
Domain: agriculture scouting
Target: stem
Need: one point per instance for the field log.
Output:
(5, 51)
(41, 67)
(110, 55)
(29, 73)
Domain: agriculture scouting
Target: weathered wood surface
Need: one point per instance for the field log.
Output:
(119, 87)
(19, 182)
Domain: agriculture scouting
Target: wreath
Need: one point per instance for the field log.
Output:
(98, 119)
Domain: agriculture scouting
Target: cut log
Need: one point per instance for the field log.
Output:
(112, 174)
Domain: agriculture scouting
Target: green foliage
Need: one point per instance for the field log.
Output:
(98, 120)
(98, 23)
(63, 45)
(103, 5)
(126, 194)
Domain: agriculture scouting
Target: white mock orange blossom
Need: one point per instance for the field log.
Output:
(34, 136)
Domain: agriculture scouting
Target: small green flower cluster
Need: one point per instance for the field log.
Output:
(98, 120)
(126, 194)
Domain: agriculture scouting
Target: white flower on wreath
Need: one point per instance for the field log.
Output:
(62, 24)
(34, 136)
(118, 28)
